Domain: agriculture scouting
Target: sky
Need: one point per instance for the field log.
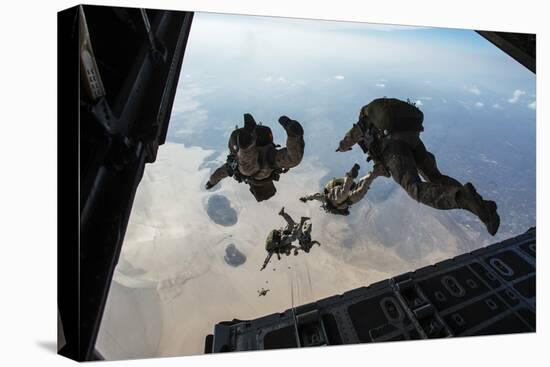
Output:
(172, 285)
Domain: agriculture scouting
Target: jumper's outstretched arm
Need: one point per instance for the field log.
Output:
(319, 196)
(218, 175)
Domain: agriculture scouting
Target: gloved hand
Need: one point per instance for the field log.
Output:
(342, 147)
(249, 123)
(292, 127)
(354, 172)
(284, 120)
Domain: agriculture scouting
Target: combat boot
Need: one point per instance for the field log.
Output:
(292, 127)
(486, 210)
(354, 172)
(249, 122)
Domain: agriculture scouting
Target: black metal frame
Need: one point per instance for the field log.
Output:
(486, 292)
(104, 144)
(520, 46)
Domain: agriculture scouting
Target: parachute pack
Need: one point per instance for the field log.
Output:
(265, 146)
(273, 239)
(264, 138)
(329, 208)
(261, 189)
(392, 115)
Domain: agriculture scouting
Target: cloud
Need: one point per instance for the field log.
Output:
(339, 77)
(516, 95)
(425, 98)
(188, 97)
(188, 115)
(380, 85)
(298, 82)
(283, 80)
(479, 104)
(532, 105)
(419, 103)
(465, 105)
(485, 159)
(496, 106)
(475, 90)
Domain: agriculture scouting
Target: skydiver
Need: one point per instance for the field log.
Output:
(340, 193)
(279, 241)
(255, 159)
(388, 130)
(262, 292)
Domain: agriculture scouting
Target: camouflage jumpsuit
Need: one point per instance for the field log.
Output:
(406, 158)
(404, 155)
(286, 236)
(342, 196)
(259, 162)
